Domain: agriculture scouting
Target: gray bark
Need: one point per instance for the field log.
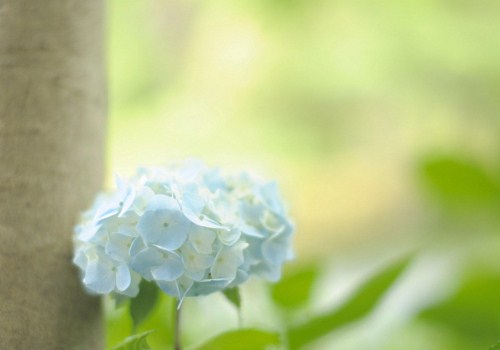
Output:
(52, 127)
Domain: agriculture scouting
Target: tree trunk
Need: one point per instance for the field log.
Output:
(52, 127)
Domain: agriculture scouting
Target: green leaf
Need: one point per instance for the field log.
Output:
(243, 339)
(358, 306)
(495, 346)
(142, 305)
(473, 313)
(233, 295)
(456, 181)
(119, 299)
(294, 289)
(135, 342)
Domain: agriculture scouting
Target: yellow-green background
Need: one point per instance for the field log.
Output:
(379, 119)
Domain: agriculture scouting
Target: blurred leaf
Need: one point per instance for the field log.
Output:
(456, 181)
(161, 319)
(119, 299)
(294, 289)
(358, 306)
(419, 335)
(118, 323)
(142, 305)
(285, 7)
(233, 295)
(473, 312)
(243, 339)
(135, 342)
(495, 346)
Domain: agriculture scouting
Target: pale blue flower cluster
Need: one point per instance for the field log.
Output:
(191, 229)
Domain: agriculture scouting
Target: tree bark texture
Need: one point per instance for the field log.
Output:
(52, 127)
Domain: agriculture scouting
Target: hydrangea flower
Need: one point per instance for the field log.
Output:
(191, 229)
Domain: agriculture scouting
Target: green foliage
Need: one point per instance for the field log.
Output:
(495, 346)
(358, 306)
(143, 304)
(243, 339)
(135, 342)
(473, 313)
(294, 289)
(233, 295)
(119, 299)
(303, 110)
(456, 181)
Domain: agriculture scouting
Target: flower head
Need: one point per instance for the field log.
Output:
(191, 229)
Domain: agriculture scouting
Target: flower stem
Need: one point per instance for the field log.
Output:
(177, 327)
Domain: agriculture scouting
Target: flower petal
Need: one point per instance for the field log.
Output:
(227, 261)
(275, 249)
(118, 246)
(196, 264)
(176, 231)
(126, 202)
(202, 240)
(133, 288)
(161, 201)
(170, 288)
(87, 232)
(229, 237)
(145, 260)
(170, 269)
(123, 277)
(99, 276)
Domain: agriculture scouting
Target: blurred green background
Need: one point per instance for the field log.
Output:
(379, 119)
